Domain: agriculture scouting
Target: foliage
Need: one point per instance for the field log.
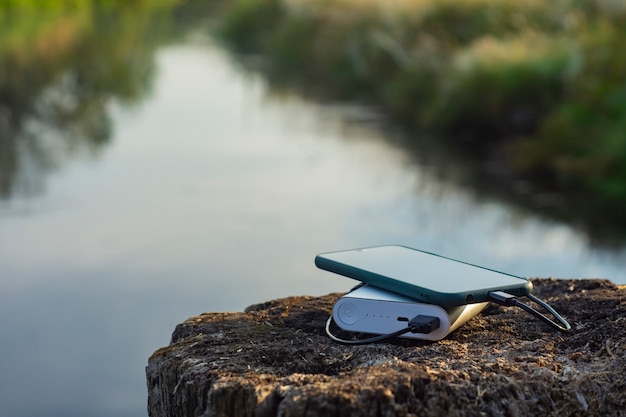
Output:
(61, 63)
(582, 143)
(544, 80)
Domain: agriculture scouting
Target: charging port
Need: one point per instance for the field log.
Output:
(403, 319)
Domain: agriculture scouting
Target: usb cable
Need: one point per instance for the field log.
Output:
(427, 324)
(418, 324)
(506, 299)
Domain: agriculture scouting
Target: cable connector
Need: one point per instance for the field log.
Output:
(418, 324)
(424, 324)
(502, 298)
(506, 299)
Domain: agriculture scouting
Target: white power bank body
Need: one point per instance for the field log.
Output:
(369, 309)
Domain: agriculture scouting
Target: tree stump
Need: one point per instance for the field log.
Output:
(275, 359)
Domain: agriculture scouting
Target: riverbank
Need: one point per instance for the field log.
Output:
(531, 87)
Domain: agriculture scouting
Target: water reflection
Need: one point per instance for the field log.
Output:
(212, 195)
(59, 70)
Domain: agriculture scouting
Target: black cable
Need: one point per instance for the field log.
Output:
(507, 299)
(418, 324)
(427, 324)
(374, 339)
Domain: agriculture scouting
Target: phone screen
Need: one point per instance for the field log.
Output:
(421, 269)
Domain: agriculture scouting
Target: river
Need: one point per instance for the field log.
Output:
(214, 192)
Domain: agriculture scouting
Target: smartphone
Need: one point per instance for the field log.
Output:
(420, 275)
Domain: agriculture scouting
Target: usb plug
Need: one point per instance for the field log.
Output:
(424, 324)
(502, 298)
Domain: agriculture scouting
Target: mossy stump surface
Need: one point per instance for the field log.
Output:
(274, 359)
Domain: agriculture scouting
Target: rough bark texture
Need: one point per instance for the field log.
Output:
(274, 359)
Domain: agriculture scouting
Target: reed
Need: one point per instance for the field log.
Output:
(542, 81)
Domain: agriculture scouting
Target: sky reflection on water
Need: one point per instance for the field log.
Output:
(212, 196)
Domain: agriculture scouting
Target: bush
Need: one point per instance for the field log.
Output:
(546, 76)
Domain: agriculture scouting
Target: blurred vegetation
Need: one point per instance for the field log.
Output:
(61, 65)
(539, 86)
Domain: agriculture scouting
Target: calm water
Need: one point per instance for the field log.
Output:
(210, 194)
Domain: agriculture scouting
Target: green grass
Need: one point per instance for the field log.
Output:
(543, 81)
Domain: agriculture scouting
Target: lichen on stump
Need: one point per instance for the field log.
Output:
(274, 359)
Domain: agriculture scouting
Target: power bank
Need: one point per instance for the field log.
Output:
(369, 309)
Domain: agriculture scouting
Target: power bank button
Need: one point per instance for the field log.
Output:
(348, 313)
